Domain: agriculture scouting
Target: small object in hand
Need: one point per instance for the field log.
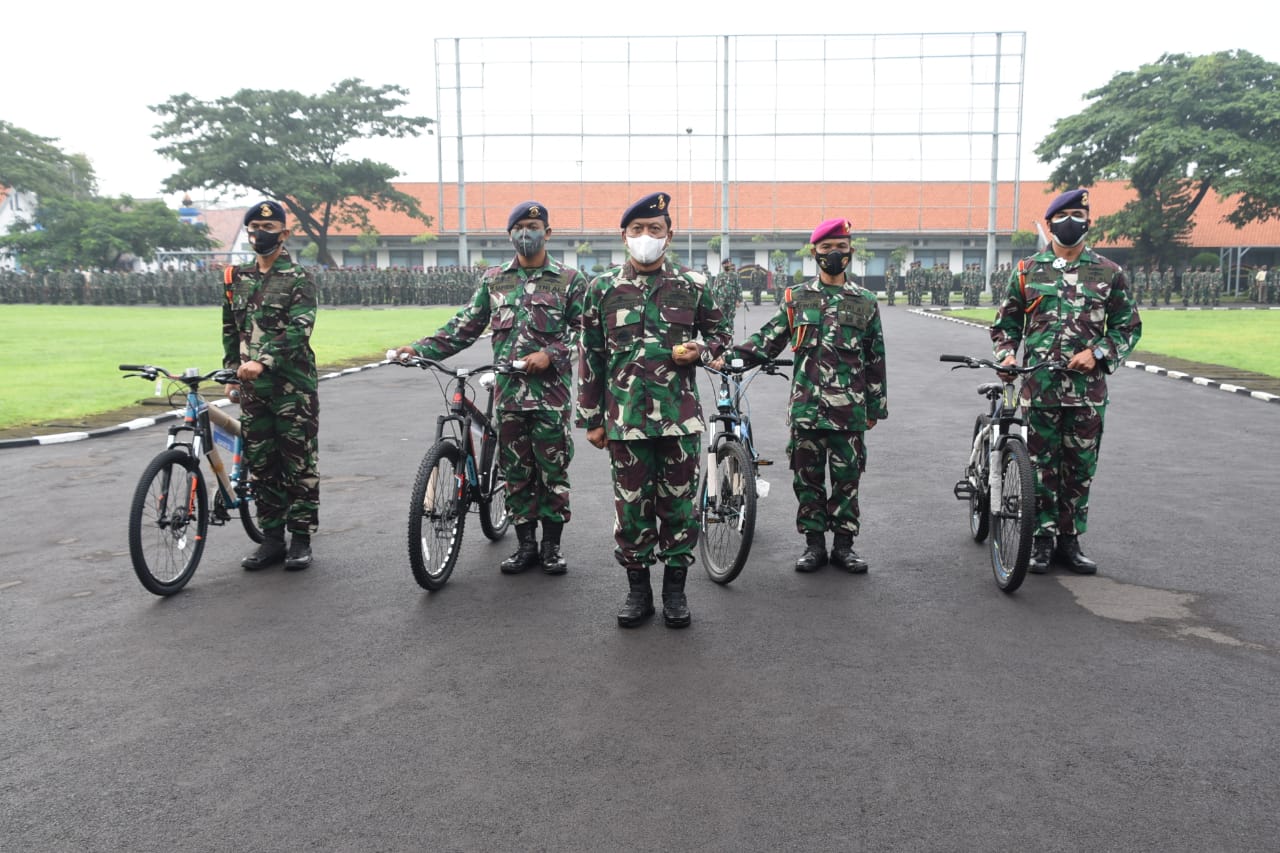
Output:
(679, 350)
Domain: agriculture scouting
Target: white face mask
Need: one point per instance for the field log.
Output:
(645, 249)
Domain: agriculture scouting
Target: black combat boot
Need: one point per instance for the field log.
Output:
(526, 554)
(1041, 555)
(299, 556)
(552, 562)
(815, 553)
(639, 604)
(1070, 555)
(844, 557)
(270, 552)
(675, 607)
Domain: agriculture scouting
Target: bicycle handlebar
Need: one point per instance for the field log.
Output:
(394, 357)
(771, 366)
(191, 376)
(975, 363)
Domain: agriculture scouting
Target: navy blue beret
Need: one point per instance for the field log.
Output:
(1069, 200)
(265, 211)
(527, 210)
(649, 206)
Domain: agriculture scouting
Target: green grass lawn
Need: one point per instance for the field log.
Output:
(1247, 340)
(59, 361)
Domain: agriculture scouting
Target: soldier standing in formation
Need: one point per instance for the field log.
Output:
(838, 393)
(267, 318)
(533, 304)
(1065, 303)
(1261, 279)
(638, 396)
(915, 283)
(890, 282)
(1141, 284)
(727, 292)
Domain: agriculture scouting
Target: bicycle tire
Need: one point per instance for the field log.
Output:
(163, 546)
(437, 515)
(249, 515)
(980, 500)
(1013, 522)
(727, 523)
(494, 518)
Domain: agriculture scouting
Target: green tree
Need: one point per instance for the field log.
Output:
(1024, 239)
(1176, 129)
(288, 146)
(33, 164)
(713, 245)
(101, 233)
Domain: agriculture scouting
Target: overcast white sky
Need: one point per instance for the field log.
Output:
(85, 73)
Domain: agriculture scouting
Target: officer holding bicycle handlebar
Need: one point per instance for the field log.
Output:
(533, 303)
(1067, 303)
(837, 393)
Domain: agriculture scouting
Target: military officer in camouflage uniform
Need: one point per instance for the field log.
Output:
(267, 318)
(638, 396)
(890, 283)
(727, 291)
(915, 283)
(533, 303)
(1066, 303)
(838, 393)
(1141, 284)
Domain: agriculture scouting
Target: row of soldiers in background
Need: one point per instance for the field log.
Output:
(388, 286)
(1196, 286)
(939, 282)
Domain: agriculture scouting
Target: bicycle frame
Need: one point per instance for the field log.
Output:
(473, 428)
(733, 410)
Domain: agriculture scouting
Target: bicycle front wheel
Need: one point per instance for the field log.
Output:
(980, 497)
(727, 519)
(1014, 520)
(249, 513)
(494, 519)
(168, 520)
(437, 514)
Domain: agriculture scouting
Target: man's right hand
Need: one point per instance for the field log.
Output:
(401, 352)
(596, 437)
(1008, 377)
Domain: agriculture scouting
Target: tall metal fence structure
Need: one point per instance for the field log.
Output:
(923, 107)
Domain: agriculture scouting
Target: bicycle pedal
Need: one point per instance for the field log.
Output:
(964, 490)
(762, 461)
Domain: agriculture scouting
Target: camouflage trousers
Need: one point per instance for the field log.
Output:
(812, 451)
(534, 453)
(280, 425)
(1064, 443)
(654, 481)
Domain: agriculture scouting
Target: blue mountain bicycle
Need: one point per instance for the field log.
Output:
(730, 485)
(170, 515)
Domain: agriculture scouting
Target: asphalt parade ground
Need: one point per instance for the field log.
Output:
(912, 708)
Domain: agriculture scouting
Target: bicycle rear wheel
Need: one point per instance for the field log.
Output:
(494, 519)
(727, 520)
(437, 515)
(168, 520)
(1014, 520)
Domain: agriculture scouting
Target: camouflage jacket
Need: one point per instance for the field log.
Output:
(839, 376)
(727, 290)
(268, 318)
(1084, 305)
(628, 382)
(529, 310)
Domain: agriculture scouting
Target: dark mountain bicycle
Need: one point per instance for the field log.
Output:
(999, 481)
(169, 515)
(726, 504)
(460, 468)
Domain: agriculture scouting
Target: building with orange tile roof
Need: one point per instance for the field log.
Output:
(934, 222)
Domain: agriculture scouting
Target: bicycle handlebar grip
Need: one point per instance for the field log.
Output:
(133, 367)
(962, 359)
(784, 362)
